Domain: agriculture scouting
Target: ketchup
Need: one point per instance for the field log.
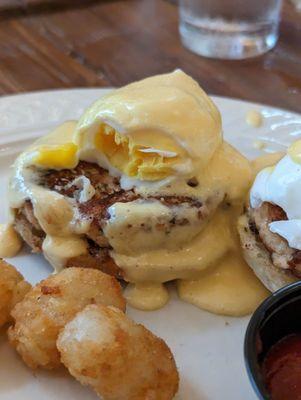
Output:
(282, 369)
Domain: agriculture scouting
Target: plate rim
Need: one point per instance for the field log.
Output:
(109, 88)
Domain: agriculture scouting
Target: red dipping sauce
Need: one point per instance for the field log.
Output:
(282, 369)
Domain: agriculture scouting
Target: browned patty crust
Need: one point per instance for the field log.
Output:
(282, 255)
(107, 192)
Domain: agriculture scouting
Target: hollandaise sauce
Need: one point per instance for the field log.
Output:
(10, 241)
(146, 296)
(160, 137)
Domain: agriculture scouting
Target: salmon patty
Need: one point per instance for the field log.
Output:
(106, 191)
(282, 255)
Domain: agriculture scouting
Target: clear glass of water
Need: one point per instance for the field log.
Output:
(229, 29)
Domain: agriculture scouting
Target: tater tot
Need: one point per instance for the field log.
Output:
(13, 288)
(119, 359)
(51, 304)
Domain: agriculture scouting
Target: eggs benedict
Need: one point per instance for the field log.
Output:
(143, 187)
(270, 231)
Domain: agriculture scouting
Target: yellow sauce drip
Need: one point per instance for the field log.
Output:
(230, 289)
(146, 296)
(254, 118)
(10, 241)
(53, 212)
(58, 250)
(266, 160)
(294, 151)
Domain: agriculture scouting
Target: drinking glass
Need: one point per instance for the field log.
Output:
(229, 29)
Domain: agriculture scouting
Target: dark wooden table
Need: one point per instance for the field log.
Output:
(61, 44)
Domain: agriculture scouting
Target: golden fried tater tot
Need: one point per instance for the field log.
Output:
(13, 288)
(119, 359)
(51, 304)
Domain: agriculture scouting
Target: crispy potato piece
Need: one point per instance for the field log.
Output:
(51, 304)
(13, 288)
(119, 359)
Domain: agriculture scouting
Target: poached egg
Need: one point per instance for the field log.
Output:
(280, 185)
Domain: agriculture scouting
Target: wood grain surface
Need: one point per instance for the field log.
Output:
(47, 44)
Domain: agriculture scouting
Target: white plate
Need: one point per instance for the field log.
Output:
(208, 348)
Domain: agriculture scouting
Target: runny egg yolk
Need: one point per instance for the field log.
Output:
(133, 159)
(57, 156)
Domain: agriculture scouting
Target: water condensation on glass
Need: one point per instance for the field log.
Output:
(232, 29)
